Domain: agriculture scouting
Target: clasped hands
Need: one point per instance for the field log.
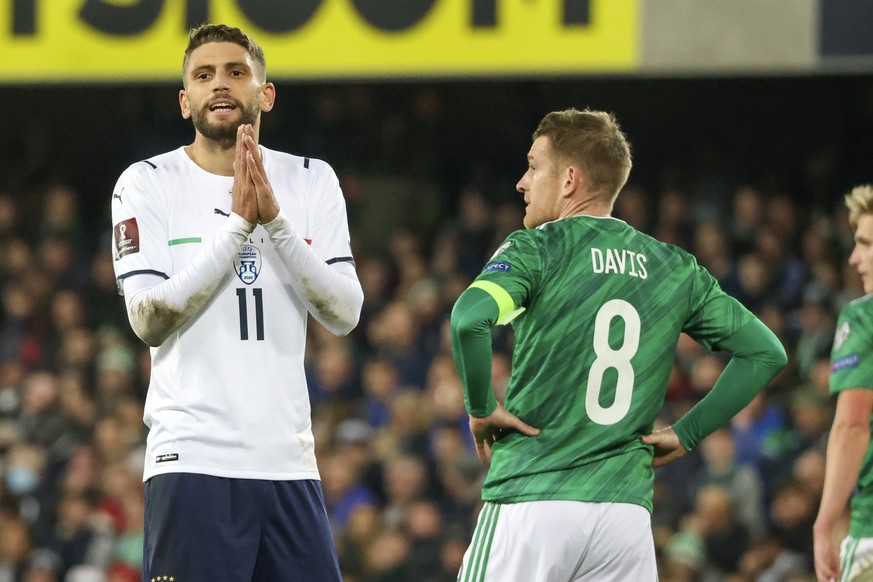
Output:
(252, 194)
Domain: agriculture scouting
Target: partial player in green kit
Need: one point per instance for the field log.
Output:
(849, 455)
(597, 308)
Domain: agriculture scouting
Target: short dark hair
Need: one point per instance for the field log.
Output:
(593, 140)
(207, 33)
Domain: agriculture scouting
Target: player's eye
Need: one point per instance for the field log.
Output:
(202, 76)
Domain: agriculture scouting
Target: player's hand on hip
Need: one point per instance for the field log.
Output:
(826, 553)
(243, 194)
(268, 207)
(488, 430)
(666, 445)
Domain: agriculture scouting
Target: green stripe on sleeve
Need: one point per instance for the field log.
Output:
(505, 304)
(184, 241)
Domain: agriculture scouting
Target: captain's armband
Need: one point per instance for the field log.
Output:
(505, 305)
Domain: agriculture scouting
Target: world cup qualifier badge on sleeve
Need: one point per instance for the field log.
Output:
(126, 237)
(247, 264)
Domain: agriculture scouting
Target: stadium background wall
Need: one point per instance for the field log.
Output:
(767, 86)
(139, 40)
(714, 96)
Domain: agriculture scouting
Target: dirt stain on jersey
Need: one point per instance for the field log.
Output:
(157, 320)
(321, 304)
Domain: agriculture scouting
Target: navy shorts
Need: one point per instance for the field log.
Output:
(200, 527)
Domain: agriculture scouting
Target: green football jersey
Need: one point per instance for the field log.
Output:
(604, 305)
(852, 367)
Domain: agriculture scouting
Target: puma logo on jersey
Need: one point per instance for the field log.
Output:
(118, 196)
(219, 211)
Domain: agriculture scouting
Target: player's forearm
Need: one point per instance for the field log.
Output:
(847, 445)
(472, 318)
(155, 312)
(757, 357)
(333, 297)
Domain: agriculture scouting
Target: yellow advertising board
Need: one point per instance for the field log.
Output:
(143, 40)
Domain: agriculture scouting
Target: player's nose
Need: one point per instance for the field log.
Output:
(220, 82)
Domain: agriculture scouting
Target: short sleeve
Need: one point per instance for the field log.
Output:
(852, 352)
(139, 226)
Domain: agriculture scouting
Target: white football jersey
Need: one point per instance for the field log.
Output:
(228, 395)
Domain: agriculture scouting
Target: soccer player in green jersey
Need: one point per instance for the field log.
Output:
(849, 454)
(597, 308)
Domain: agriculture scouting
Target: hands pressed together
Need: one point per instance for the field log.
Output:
(252, 194)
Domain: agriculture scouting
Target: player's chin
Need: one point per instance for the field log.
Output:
(531, 222)
(222, 131)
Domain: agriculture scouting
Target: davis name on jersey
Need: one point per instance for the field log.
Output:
(593, 354)
(619, 261)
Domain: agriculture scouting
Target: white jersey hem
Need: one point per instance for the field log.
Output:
(216, 472)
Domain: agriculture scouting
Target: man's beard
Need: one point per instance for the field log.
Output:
(224, 133)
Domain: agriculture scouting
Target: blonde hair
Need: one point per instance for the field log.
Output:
(593, 140)
(859, 202)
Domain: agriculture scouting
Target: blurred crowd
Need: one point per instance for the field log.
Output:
(400, 475)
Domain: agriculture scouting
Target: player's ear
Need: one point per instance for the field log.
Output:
(184, 105)
(268, 96)
(573, 179)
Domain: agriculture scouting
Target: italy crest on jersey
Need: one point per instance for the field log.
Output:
(247, 264)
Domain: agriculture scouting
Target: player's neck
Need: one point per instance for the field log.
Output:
(587, 207)
(213, 156)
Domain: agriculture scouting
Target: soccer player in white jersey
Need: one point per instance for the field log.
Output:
(222, 249)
